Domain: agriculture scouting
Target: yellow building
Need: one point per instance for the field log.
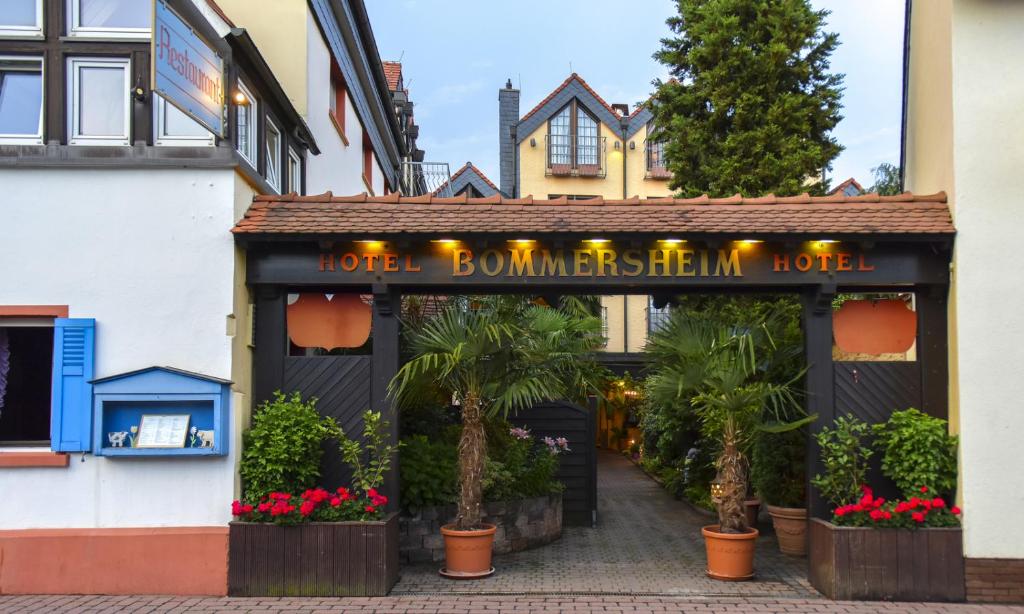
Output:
(575, 145)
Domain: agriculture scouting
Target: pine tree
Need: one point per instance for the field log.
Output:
(751, 103)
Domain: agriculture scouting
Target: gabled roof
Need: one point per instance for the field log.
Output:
(469, 174)
(573, 87)
(904, 216)
(172, 370)
(841, 188)
(393, 74)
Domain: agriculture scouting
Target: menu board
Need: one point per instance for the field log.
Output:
(163, 431)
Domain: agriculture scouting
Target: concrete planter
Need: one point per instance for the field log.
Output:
(520, 525)
(860, 563)
(316, 559)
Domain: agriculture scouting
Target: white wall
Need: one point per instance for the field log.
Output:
(148, 253)
(988, 98)
(339, 167)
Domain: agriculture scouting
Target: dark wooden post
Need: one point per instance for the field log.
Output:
(270, 338)
(387, 307)
(932, 350)
(820, 381)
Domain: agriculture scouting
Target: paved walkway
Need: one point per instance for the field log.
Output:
(645, 543)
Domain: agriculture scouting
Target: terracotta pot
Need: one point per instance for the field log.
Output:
(791, 528)
(752, 507)
(730, 555)
(467, 554)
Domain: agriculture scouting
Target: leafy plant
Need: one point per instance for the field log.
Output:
(282, 450)
(845, 457)
(917, 450)
(777, 468)
(496, 355)
(430, 472)
(369, 458)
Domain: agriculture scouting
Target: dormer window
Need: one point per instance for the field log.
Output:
(654, 152)
(574, 143)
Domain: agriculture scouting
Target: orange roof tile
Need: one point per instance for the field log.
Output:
(564, 84)
(393, 74)
(869, 214)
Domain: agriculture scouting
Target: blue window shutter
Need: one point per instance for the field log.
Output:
(74, 341)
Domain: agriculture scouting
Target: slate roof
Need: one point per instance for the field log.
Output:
(469, 174)
(565, 84)
(902, 216)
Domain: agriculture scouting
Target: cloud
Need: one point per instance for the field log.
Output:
(454, 93)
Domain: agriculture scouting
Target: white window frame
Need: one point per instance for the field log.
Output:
(9, 31)
(294, 162)
(251, 153)
(162, 139)
(272, 166)
(76, 30)
(74, 91)
(37, 138)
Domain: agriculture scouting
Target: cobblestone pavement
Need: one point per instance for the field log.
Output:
(645, 542)
(478, 604)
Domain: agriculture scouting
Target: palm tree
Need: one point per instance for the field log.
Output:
(498, 355)
(720, 372)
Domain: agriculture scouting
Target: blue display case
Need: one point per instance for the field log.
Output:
(120, 401)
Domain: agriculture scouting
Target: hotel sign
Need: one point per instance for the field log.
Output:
(187, 72)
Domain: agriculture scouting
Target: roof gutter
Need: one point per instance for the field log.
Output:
(906, 94)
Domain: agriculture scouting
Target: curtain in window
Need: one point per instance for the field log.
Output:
(559, 151)
(586, 138)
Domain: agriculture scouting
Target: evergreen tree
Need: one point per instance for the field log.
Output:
(751, 103)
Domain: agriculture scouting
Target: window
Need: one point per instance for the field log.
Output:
(273, 160)
(574, 142)
(294, 171)
(337, 101)
(99, 109)
(26, 365)
(657, 317)
(21, 100)
(21, 18)
(110, 18)
(246, 124)
(655, 155)
(173, 127)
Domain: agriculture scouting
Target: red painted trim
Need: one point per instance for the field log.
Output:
(54, 311)
(33, 459)
(159, 560)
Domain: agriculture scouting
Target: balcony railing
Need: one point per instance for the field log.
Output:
(654, 160)
(580, 156)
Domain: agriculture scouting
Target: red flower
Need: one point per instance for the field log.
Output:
(924, 489)
(938, 503)
(879, 501)
(370, 509)
(335, 502)
(841, 511)
(344, 494)
(918, 516)
(264, 507)
(877, 515)
(307, 508)
(887, 515)
(955, 510)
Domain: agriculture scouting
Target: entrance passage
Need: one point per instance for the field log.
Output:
(645, 542)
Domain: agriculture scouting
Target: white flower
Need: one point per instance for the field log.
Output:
(134, 429)
(193, 430)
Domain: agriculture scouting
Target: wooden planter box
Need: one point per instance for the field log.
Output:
(853, 563)
(317, 559)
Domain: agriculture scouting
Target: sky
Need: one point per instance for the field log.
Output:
(456, 54)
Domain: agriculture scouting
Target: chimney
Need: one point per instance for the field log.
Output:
(508, 117)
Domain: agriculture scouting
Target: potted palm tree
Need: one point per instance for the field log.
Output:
(495, 356)
(719, 371)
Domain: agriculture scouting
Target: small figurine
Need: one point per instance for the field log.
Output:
(205, 438)
(131, 438)
(117, 438)
(193, 438)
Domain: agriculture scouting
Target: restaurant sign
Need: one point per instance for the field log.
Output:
(187, 72)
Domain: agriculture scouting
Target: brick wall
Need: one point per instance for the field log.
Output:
(995, 580)
(522, 525)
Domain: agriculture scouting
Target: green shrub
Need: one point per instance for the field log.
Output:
(430, 472)
(282, 450)
(778, 468)
(519, 468)
(845, 457)
(917, 450)
(369, 457)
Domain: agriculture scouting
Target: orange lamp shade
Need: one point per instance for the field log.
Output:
(874, 327)
(341, 322)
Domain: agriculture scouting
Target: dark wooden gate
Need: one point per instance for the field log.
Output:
(578, 468)
(342, 385)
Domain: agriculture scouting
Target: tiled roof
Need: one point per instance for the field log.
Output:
(393, 73)
(565, 84)
(824, 216)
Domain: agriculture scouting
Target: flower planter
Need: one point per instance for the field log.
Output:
(730, 555)
(851, 563)
(315, 559)
(467, 554)
(790, 528)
